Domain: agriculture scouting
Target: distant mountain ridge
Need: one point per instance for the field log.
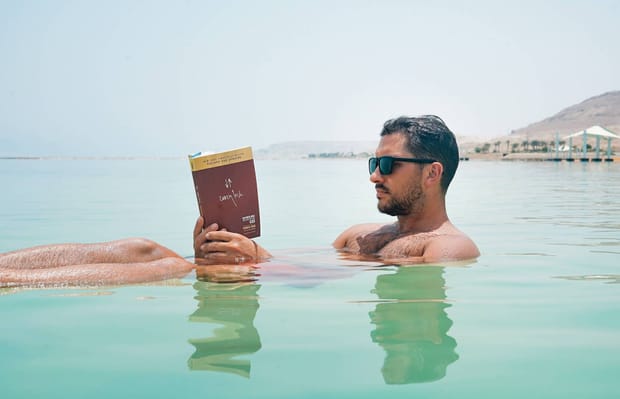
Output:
(601, 110)
(302, 149)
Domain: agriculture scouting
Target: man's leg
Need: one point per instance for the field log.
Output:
(95, 274)
(130, 250)
(126, 261)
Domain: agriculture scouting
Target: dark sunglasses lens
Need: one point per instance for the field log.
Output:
(372, 165)
(385, 165)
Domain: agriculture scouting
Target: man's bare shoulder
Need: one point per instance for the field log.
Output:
(453, 245)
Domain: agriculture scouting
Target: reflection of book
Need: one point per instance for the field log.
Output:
(207, 358)
(226, 189)
(232, 308)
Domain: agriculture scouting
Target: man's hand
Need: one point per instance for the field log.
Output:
(213, 246)
(200, 236)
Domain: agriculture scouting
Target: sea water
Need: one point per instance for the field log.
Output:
(535, 316)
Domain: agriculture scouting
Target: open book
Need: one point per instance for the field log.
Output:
(226, 189)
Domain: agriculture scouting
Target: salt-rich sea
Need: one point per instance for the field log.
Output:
(536, 316)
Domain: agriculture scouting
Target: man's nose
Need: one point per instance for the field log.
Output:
(376, 176)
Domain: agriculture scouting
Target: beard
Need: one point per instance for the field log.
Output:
(409, 203)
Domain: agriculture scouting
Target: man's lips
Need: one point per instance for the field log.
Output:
(381, 189)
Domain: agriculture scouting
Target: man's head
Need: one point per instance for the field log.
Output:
(428, 137)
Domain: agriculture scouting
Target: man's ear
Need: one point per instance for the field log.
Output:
(434, 172)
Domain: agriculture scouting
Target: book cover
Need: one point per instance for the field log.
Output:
(226, 189)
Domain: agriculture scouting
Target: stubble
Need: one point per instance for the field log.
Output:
(411, 202)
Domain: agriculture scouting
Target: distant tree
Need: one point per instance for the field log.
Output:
(507, 145)
(485, 147)
(515, 147)
(525, 145)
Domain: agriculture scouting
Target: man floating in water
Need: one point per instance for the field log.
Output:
(413, 166)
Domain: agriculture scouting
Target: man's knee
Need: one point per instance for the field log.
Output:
(148, 249)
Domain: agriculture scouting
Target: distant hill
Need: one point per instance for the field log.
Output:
(601, 110)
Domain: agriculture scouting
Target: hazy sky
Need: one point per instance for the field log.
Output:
(172, 77)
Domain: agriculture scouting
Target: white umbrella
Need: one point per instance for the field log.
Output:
(595, 131)
(598, 132)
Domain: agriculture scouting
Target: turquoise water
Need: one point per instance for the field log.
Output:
(535, 316)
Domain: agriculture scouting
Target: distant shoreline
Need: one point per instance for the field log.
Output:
(544, 156)
(517, 156)
(88, 158)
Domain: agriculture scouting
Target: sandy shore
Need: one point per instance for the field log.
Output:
(535, 156)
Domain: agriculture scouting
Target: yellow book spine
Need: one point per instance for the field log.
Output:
(202, 162)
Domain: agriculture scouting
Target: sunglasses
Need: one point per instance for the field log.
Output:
(386, 163)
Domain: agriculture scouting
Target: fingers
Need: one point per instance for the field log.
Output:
(223, 235)
(198, 226)
(199, 238)
(232, 243)
(200, 235)
(204, 240)
(232, 248)
(225, 247)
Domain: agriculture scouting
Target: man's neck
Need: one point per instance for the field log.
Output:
(429, 220)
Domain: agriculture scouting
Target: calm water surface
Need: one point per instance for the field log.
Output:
(535, 316)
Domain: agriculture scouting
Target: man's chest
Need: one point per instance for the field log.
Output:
(386, 243)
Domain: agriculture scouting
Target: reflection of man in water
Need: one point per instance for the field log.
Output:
(232, 307)
(412, 325)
